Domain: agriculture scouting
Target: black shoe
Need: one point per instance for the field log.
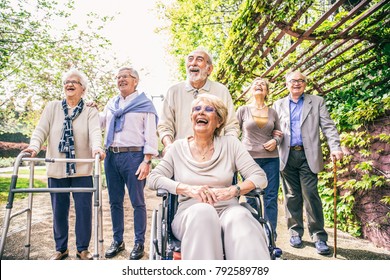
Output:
(114, 249)
(296, 241)
(138, 252)
(322, 247)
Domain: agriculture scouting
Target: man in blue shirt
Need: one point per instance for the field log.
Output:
(301, 117)
(129, 120)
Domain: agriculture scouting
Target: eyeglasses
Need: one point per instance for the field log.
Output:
(300, 81)
(73, 82)
(125, 76)
(207, 108)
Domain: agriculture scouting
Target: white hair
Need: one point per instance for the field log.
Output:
(206, 52)
(289, 74)
(81, 75)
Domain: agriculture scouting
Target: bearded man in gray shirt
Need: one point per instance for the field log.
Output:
(174, 119)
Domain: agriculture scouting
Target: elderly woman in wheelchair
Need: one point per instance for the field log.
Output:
(210, 222)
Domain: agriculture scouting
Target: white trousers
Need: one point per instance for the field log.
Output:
(207, 232)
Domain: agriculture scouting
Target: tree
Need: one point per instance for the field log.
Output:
(35, 53)
(195, 23)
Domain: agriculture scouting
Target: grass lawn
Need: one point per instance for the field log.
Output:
(26, 171)
(20, 184)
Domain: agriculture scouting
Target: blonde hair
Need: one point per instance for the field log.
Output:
(246, 91)
(220, 108)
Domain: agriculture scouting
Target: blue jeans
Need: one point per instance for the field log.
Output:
(83, 210)
(120, 170)
(271, 169)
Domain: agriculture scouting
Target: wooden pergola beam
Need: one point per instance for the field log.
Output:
(365, 15)
(307, 33)
(357, 66)
(356, 55)
(349, 81)
(327, 34)
(335, 56)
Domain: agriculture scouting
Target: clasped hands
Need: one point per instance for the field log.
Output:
(210, 195)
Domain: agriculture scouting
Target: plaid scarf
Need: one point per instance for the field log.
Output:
(67, 140)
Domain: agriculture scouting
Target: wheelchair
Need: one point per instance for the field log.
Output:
(165, 246)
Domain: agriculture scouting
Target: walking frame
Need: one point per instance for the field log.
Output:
(96, 190)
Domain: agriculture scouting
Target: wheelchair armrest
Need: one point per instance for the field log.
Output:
(162, 193)
(255, 193)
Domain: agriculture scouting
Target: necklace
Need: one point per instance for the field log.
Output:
(261, 108)
(203, 156)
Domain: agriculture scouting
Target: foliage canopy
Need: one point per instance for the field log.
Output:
(38, 43)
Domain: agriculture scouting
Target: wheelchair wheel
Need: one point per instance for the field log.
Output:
(275, 252)
(163, 231)
(159, 229)
(156, 243)
(153, 236)
(268, 232)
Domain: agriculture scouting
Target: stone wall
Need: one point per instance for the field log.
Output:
(374, 214)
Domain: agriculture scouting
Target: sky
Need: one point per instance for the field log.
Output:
(133, 37)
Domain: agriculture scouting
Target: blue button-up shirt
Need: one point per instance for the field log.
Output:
(295, 121)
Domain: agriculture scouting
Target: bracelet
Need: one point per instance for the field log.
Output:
(148, 162)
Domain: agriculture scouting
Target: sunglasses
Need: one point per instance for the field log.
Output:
(207, 108)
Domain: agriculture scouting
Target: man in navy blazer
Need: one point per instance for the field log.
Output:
(301, 117)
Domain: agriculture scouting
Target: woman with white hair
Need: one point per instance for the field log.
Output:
(72, 130)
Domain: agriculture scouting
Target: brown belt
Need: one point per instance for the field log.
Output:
(116, 150)
(297, 148)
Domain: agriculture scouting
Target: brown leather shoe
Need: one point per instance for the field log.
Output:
(84, 255)
(60, 256)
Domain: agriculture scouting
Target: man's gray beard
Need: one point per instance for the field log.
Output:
(198, 78)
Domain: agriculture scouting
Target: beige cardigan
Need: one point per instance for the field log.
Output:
(229, 156)
(86, 131)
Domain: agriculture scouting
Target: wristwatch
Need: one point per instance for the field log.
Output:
(148, 161)
(238, 190)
